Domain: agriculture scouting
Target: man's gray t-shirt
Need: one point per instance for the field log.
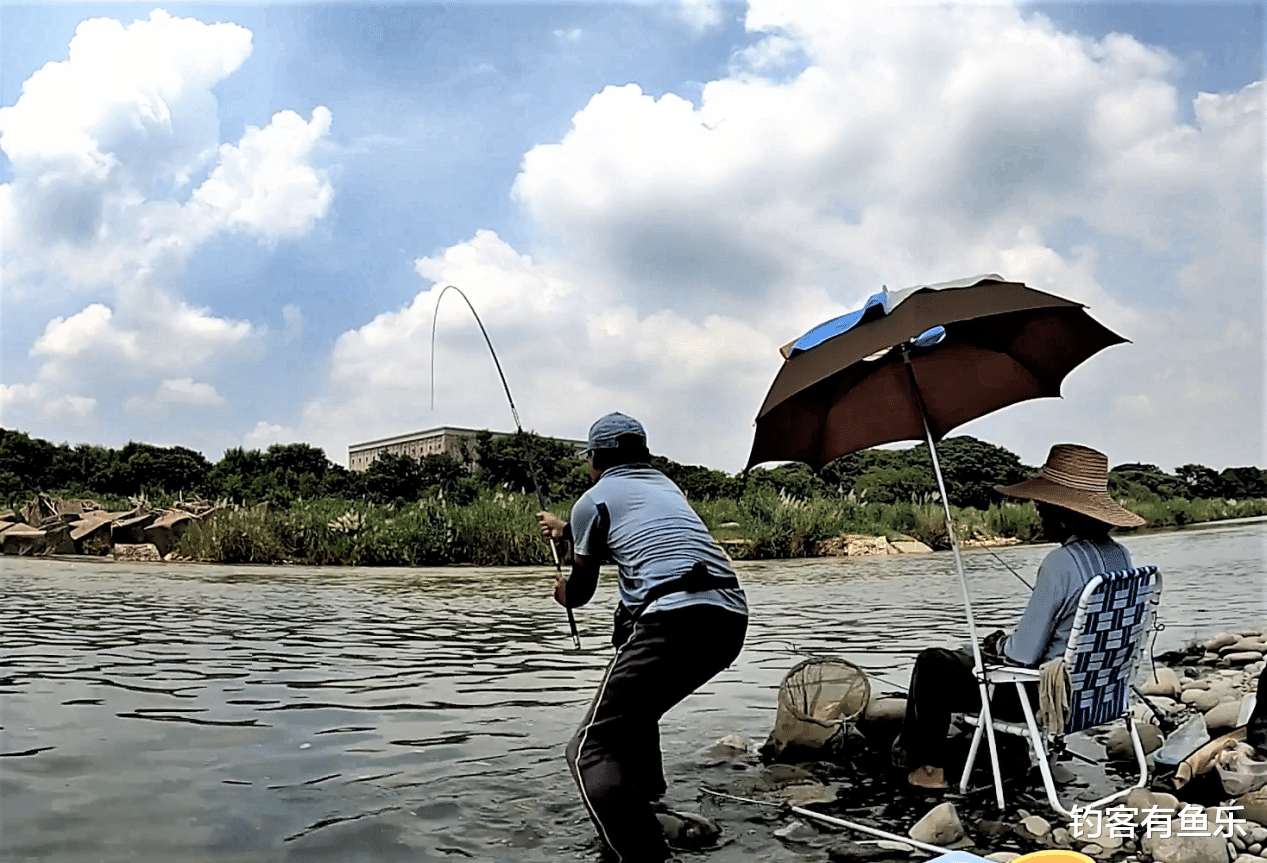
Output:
(653, 536)
(1043, 632)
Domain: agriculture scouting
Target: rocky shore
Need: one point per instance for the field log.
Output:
(53, 525)
(1211, 679)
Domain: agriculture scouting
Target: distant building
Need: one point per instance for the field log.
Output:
(415, 445)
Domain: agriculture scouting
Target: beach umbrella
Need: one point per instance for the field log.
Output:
(913, 365)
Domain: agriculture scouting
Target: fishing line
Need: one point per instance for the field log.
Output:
(532, 465)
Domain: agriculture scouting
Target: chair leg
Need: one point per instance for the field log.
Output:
(1040, 751)
(1140, 758)
(988, 721)
(972, 757)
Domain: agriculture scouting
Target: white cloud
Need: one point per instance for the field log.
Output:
(106, 148)
(677, 244)
(188, 392)
(153, 337)
(701, 14)
(265, 434)
(61, 406)
(265, 182)
(570, 350)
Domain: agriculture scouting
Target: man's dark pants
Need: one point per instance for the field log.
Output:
(615, 755)
(942, 683)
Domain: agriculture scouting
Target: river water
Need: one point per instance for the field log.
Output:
(177, 712)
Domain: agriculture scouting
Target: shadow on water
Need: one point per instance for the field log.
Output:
(163, 712)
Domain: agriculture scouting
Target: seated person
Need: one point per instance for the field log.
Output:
(1071, 494)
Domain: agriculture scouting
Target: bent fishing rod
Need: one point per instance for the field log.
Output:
(514, 412)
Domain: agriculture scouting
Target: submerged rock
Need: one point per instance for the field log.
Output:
(687, 829)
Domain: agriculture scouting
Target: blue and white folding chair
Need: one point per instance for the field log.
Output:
(1114, 612)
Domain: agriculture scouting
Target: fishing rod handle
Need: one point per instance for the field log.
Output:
(576, 636)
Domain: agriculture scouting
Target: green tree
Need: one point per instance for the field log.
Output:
(26, 463)
(696, 482)
(1201, 481)
(394, 477)
(507, 462)
(793, 480)
(1243, 482)
(896, 484)
(1128, 480)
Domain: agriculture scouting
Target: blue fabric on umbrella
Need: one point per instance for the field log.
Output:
(843, 324)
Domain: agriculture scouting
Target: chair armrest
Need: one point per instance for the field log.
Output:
(1009, 674)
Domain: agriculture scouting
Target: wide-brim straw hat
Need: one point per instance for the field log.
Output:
(1077, 478)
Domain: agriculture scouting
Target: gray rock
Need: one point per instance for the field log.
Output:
(1222, 716)
(890, 845)
(1109, 843)
(1091, 849)
(1221, 639)
(1163, 682)
(1002, 856)
(1198, 684)
(1118, 746)
(1211, 698)
(1187, 849)
(939, 826)
(885, 710)
(1254, 806)
(1256, 848)
(1243, 656)
(688, 829)
(989, 829)
(1060, 836)
(1249, 858)
(1036, 826)
(798, 832)
(848, 851)
(1256, 833)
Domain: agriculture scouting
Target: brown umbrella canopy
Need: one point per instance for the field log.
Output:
(1005, 343)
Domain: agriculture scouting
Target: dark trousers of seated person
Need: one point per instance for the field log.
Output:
(942, 683)
(615, 755)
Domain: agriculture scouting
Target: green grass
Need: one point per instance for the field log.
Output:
(499, 529)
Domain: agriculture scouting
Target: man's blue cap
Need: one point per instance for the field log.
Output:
(607, 430)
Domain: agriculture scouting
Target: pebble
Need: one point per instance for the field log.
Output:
(797, 831)
(1212, 698)
(1163, 681)
(1220, 639)
(1061, 837)
(939, 826)
(1002, 856)
(1036, 825)
(890, 845)
(1256, 848)
(1091, 849)
(1222, 716)
(1243, 656)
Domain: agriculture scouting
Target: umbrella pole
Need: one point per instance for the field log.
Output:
(978, 664)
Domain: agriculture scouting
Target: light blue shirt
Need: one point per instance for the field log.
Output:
(1043, 632)
(653, 536)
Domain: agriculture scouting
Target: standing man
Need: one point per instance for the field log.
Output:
(681, 619)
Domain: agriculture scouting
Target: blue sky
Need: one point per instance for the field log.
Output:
(642, 200)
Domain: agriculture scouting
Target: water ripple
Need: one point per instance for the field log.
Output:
(354, 713)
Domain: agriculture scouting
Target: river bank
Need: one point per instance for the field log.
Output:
(1212, 680)
(500, 530)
